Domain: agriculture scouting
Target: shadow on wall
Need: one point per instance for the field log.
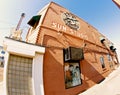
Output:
(54, 78)
(91, 74)
(53, 70)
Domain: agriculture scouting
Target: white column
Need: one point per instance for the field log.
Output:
(38, 74)
(5, 91)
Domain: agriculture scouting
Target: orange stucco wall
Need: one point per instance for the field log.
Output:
(55, 35)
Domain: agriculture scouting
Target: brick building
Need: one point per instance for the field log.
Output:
(66, 55)
(74, 49)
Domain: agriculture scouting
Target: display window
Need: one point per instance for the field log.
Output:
(72, 75)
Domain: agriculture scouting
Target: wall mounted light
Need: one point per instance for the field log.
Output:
(102, 39)
(112, 48)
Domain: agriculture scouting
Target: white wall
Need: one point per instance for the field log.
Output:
(27, 50)
(38, 74)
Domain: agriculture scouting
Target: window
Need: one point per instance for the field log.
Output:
(19, 78)
(72, 75)
(102, 62)
(109, 58)
(1, 61)
(67, 54)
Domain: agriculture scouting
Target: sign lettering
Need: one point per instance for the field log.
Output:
(62, 28)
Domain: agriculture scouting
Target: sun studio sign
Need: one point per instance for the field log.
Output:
(71, 21)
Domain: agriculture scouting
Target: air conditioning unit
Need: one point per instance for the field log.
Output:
(73, 54)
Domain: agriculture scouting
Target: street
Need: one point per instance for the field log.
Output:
(110, 86)
(1, 88)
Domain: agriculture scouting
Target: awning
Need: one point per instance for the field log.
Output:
(34, 20)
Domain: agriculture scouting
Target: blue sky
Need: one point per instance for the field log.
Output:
(104, 15)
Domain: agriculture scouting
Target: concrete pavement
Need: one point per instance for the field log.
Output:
(110, 86)
(1, 88)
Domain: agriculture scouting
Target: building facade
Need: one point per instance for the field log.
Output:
(70, 55)
(77, 56)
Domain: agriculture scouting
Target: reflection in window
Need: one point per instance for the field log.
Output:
(72, 74)
(102, 62)
(109, 58)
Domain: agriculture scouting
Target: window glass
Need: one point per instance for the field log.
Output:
(109, 57)
(102, 62)
(72, 74)
(19, 77)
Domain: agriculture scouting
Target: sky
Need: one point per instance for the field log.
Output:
(104, 15)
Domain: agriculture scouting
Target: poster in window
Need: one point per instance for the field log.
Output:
(72, 75)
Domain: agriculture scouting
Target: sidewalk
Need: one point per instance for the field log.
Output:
(110, 86)
(1, 88)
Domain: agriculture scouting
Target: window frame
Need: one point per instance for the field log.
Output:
(102, 62)
(72, 77)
